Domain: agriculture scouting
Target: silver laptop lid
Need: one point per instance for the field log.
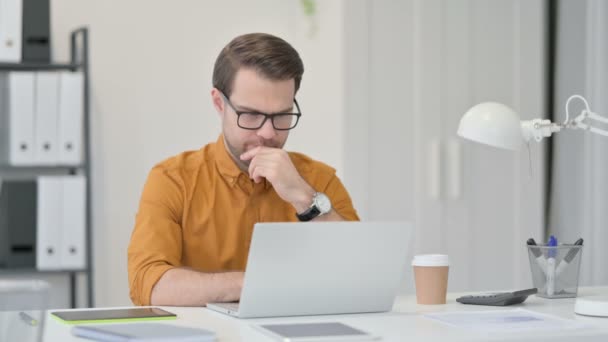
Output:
(318, 268)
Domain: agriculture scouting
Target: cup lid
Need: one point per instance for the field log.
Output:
(431, 260)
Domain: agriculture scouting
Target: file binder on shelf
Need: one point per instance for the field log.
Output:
(73, 223)
(70, 118)
(36, 43)
(11, 16)
(17, 113)
(18, 209)
(48, 223)
(46, 116)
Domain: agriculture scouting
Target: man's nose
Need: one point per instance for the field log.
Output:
(267, 131)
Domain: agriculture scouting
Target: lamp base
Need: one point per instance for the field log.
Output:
(592, 306)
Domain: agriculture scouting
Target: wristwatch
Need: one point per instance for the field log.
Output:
(320, 205)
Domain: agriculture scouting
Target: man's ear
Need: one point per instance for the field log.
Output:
(218, 101)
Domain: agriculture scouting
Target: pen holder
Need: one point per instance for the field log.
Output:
(555, 269)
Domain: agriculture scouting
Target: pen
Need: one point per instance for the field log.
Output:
(28, 319)
(540, 258)
(568, 258)
(551, 265)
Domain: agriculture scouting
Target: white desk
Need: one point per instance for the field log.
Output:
(404, 323)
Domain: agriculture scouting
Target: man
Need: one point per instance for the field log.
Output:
(197, 210)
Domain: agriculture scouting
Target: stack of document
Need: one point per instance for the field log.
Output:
(505, 321)
(142, 332)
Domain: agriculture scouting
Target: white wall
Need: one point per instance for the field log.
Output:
(151, 66)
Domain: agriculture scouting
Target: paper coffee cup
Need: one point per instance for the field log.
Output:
(431, 276)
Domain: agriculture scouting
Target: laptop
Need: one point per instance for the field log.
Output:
(321, 268)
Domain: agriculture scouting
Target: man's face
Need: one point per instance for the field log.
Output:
(253, 93)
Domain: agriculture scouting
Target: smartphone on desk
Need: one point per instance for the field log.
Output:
(315, 332)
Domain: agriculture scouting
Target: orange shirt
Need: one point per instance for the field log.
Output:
(198, 208)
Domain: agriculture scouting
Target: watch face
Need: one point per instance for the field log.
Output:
(322, 202)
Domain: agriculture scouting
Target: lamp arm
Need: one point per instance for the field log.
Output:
(538, 129)
(598, 117)
(578, 122)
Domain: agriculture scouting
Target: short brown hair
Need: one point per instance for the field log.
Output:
(270, 56)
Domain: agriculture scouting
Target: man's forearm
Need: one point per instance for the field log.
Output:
(187, 287)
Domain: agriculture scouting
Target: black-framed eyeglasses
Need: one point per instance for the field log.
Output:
(255, 120)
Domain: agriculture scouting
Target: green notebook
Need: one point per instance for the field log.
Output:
(112, 315)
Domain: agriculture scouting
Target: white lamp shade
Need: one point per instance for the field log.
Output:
(492, 124)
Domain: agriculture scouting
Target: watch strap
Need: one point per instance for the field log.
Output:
(309, 214)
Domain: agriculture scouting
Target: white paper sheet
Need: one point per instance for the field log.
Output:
(516, 320)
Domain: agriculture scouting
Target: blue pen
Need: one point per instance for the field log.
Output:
(552, 252)
(552, 243)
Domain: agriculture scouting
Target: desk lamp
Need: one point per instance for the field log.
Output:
(497, 125)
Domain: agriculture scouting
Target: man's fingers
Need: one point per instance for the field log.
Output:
(260, 150)
(255, 170)
(265, 159)
(255, 152)
(252, 164)
(258, 174)
(251, 153)
(266, 169)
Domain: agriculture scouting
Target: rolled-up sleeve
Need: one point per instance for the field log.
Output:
(156, 241)
(340, 199)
